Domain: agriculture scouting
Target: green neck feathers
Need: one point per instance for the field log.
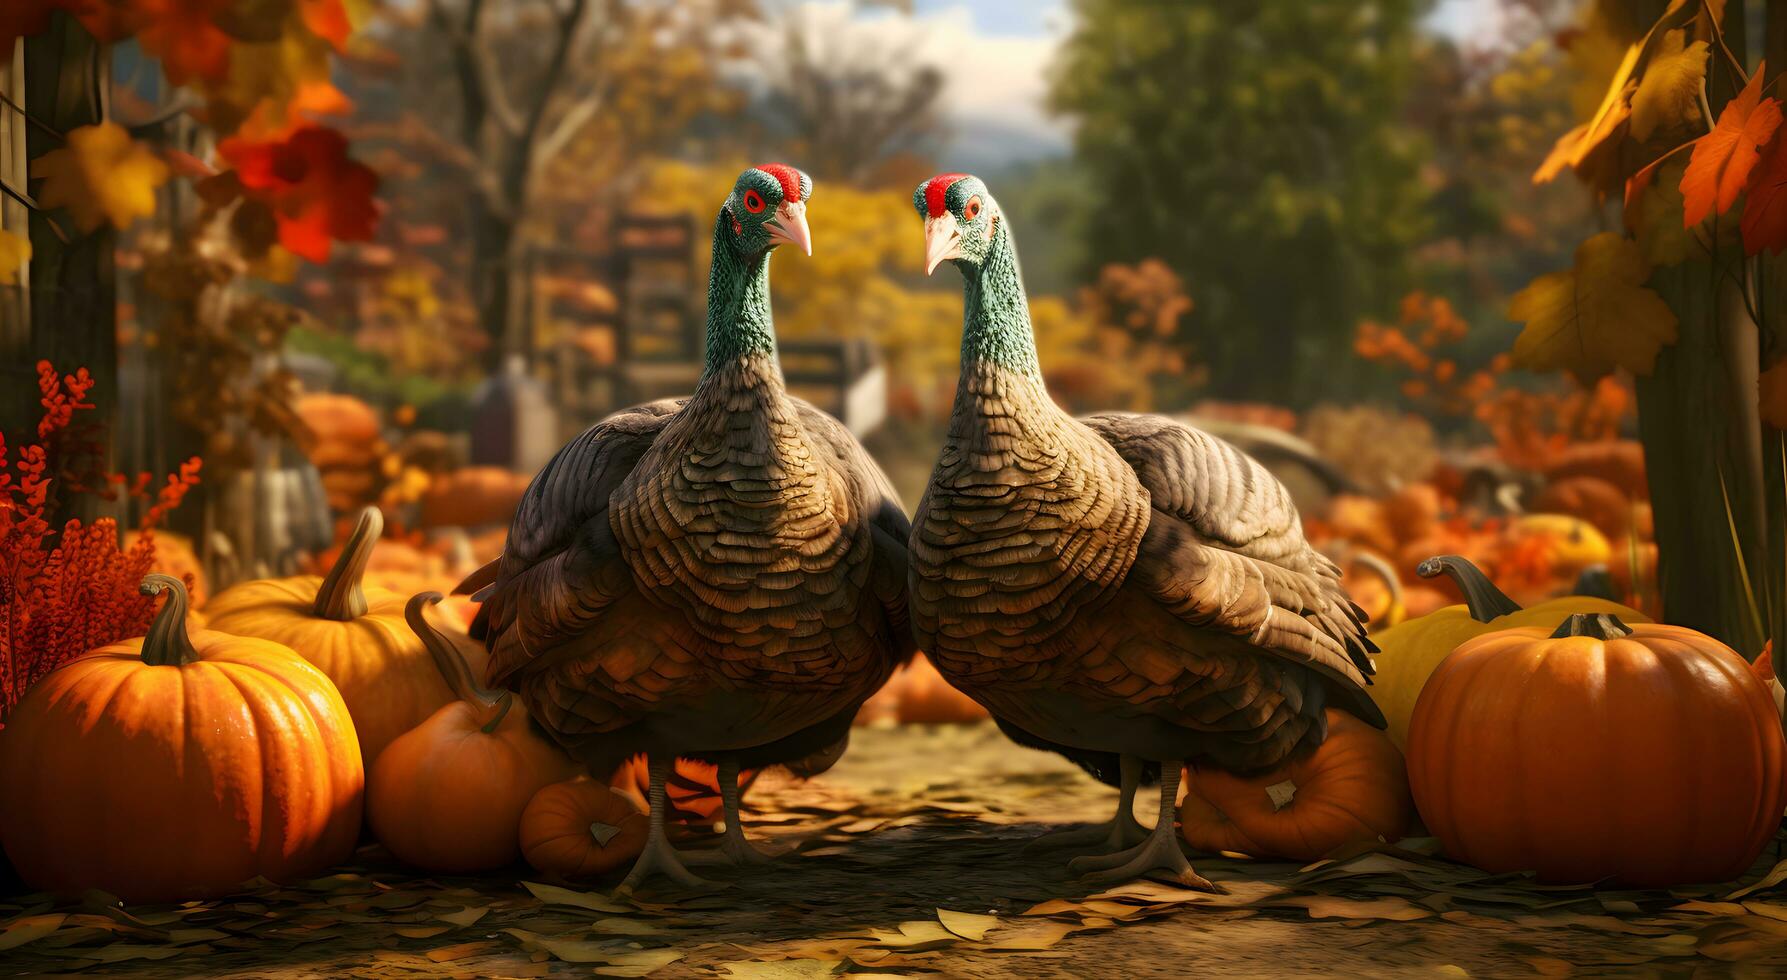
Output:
(995, 314)
(739, 323)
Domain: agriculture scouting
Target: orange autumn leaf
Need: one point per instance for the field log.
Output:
(1764, 223)
(1724, 158)
(186, 36)
(101, 176)
(317, 193)
(327, 19)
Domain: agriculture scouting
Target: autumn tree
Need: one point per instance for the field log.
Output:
(529, 82)
(1257, 149)
(1687, 133)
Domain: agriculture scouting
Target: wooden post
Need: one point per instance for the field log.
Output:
(72, 319)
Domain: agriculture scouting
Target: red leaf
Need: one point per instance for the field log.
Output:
(185, 36)
(317, 192)
(1723, 158)
(1765, 206)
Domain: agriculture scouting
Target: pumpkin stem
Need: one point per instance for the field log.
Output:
(1485, 601)
(1601, 626)
(340, 598)
(449, 662)
(167, 643)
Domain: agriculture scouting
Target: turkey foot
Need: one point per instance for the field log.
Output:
(659, 857)
(1159, 852)
(734, 848)
(1120, 832)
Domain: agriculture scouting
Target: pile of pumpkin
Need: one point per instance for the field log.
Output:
(1574, 738)
(178, 765)
(1590, 512)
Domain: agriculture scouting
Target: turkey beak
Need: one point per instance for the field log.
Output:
(943, 240)
(790, 225)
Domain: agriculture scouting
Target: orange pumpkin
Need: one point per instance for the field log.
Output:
(356, 636)
(925, 698)
(693, 787)
(175, 767)
(1646, 753)
(1592, 499)
(448, 794)
(473, 497)
(174, 555)
(1352, 789)
(1619, 462)
(580, 829)
(345, 431)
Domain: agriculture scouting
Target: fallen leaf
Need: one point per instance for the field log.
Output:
(616, 926)
(465, 916)
(554, 895)
(919, 932)
(29, 929)
(1723, 158)
(1669, 93)
(101, 175)
(1775, 876)
(968, 925)
(422, 932)
(1594, 317)
(1549, 966)
(782, 970)
(638, 964)
(1029, 936)
(121, 952)
(458, 951)
(1335, 907)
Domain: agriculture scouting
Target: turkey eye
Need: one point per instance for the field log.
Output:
(972, 211)
(753, 202)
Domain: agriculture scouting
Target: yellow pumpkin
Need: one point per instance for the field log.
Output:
(1412, 650)
(357, 637)
(1573, 544)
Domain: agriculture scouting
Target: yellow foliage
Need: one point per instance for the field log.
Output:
(1669, 93)
(1656, 217)
(101, 176)
(15, 251)
(1594, 317)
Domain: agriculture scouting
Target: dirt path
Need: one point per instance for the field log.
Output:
(914, 821)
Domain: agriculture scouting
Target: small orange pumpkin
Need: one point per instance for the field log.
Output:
(173, 767)
(448, 794)
(925, 698)
(1353, 788)
(1646, 753)
(473, 497)
(580, 828)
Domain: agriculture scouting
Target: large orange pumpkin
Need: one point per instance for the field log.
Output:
(447, 795)
(173, 767)
(1352, 789)
(693, 788)
(580, 828)
(1646, 753)
(472, 497)
(356, 636)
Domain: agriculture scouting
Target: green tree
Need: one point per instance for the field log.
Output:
(1257, 146)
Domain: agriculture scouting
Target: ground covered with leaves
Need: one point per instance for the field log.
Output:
(907, 860)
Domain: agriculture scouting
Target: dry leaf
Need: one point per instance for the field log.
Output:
(782, 970)
(422, 932)
(1775, 876)
(1595, 317)
(1335, 907)
(29, 929)
(458, 951)
(465, 916)
(554, 895)
(968, 925)
(639, 963)
(1669, 93)
(100, 176)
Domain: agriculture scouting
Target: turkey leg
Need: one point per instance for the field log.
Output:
(1159, 852)
(734, 848)
(659, 856)
(1119, 832)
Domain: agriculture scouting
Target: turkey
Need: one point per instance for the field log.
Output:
(721, 577)
(1123, 589)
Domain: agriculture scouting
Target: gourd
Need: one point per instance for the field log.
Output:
(174, 767)
(448, 794)
(356, 636)
(1410, 651)
(1645, 753)
(580, 828)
